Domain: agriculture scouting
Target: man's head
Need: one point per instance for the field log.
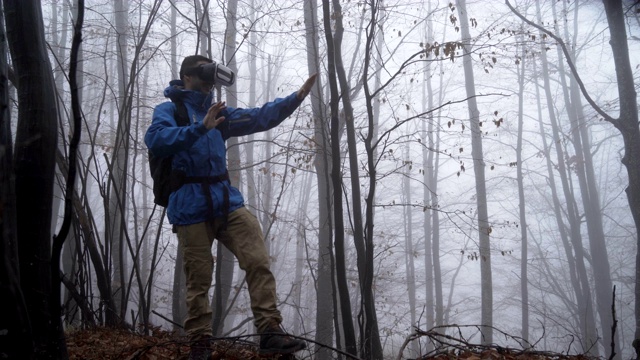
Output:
(189, 77)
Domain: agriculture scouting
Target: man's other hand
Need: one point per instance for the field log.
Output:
(212, 120)
(306, 87)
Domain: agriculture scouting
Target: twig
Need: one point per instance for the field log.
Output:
(167, 319)
(570, 62)
(614, 325)
(448, 343)
(414, 335)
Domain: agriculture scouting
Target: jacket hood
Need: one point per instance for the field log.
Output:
(176, 92)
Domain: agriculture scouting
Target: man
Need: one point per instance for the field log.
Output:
(205, 206)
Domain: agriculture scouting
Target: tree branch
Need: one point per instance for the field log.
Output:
(572, 66)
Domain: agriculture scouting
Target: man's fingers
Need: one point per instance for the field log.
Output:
(309, 83)
(212, 119)
(218, 106)
(306, 87)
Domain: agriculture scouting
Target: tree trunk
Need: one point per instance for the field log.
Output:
(18, 341)
(591, 205)
(324, 292)
(347, 331)
(410, 269)
(59, 47)
(179, 293)
(434, 165)
(119, 164)
(575, 257)
(301, 243)
(266, 189)
(370, 345)
(627, 124)
(524, 254)
(250, 195)
(225, 263)
(484, 229)
(35, 149)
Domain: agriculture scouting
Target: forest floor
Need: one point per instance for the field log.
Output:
(106, 344)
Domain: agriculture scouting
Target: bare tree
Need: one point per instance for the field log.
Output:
(324, 294)
(18, 341)
(120, 162)
(627, 124)
(225, 262)
(484, 228)
(409, 252)
(524, 251)
(590, 200)
(346, 331)
(34, 165)
(179, 293)
(572, 242)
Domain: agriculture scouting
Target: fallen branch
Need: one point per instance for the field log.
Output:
(450, 346)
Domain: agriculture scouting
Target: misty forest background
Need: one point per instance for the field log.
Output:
(456, 163)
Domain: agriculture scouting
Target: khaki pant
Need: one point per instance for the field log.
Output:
(243, 237)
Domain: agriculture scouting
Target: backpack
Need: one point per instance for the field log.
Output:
(161, 172)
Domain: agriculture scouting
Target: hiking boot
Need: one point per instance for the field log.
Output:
(273, 340)
(200, 350)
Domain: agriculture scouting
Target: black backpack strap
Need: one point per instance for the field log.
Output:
(181, 115)
(205, 181)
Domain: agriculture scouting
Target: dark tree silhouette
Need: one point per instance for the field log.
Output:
(17, 340)
(34, 163)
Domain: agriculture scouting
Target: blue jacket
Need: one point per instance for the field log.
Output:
(201, 152)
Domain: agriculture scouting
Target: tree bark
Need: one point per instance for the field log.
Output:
(324, 292)
(35, 148)
(524, 251)
(224, 261)
(484, 229)
(410, 269)
(179, 293)
(573, 250)
(627, 124)
(18, 341)
(347, 330)
(119, 165)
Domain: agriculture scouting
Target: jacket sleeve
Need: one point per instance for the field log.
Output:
(241, 122)
(164, 137)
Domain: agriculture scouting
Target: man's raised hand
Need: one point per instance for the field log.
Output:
(212, 120)
(306, 87)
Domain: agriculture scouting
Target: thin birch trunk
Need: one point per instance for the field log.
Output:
(179, 288)
(524, 257)
(324, 293)
(410, 269)
(225, 261)
(119, 163)
(427, 166)
(484, 228)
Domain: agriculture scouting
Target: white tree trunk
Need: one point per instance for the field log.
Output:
(484, 229)
(324, 295)
(119, 162)
(179, 293)
(524, 282)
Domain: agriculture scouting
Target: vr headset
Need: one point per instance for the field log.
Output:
(213, 72)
